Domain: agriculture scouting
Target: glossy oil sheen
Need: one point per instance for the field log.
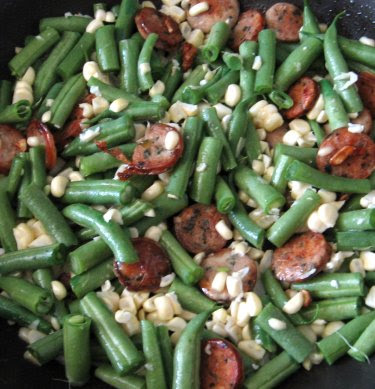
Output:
(18, 18)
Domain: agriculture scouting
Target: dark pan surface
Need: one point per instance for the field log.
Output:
(19, 18)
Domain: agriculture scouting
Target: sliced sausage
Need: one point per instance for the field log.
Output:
(218, 11)
(189, 52)
(146, 274)
(149, 20)
(11, 143)
(39, 129)
(347, 154)
(249, 25)
(275, 137)
(302, 257)
(366, 89)
(151, 155)
(365, 119)
(304, 94)
(70, 131)
(232, 262)
(286, 20)
(195, 229)
(221, 365)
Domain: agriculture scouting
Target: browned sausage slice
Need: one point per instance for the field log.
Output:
(195, 229)
(230, 261)
(366, 89)
(11, 143)
(275, 137)
(221, 365)
(304, 94)
(189, 52)
(219, 11)
(249, 25)
(302, 257)
(345, 154)
(146, 274)
(149, 20)
(286, 19)
(365, 119)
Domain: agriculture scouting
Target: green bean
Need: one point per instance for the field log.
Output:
(273, 372)
(45, 211)
(113, 133)
(32, 297)
(293, 218)
(47, 75)
(191, 298)
(125, 19)
(106, 49)
(166, 351)
(278, 179)
(355, 240)
(237, 126)
(299, 171)
(135, 211)
(232, 60)
(172, 79)
(146, 110)
(215, 92)
(186, 360)
(102, 161)
(215, 129)
(62, 107)
(179, 179)
(164, 208)
(119, 348)
(65, 23)
(16, 113)
(248, 50)
(216, 41)
(145, 79)
(129, 51)
(248, 229)
(32, 258)
(77, 56)
(76, 338)
(334, 309)
(364, 347)
(50, 97)
(155, 377)
(158, 63)
(15, 175)
(10, 310)
(278, 296)
(353, 204)
(281, 99)
(32, 51)
(5, 94)
(99, 6)
(318, 131)
(336, 345)
(357, 51)
(303, 154)
(370, 278)
(359, 67)
(183, 265)
(224, 197)
(161, 100)
(334, 106)
(38, 166)
(195, 77)
(7, 221)
(297, 63)
(360, 220)
(336, 66)
(22, 210)
(43, 278)
(310, 23)
(141, 183)
(257, 188)
(112, 234)
(290, 339)
(252, 142)
(267, 52)
(47, 348)
(108, 375)
(262, 338)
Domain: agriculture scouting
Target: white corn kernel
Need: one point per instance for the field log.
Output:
(258, 166)
(23, 235)
(127, 304)
(223, 230)
(316, 358)
(307, 364)
(276, 324)
(219, 316)
(316, 109)
(167, 280)
(144, 68)
(154, 191)
(252, 349)
(243, 316)
(370, 298)
(272, 122)
(308, 333)
(257, 107)
(185, 4)
(257, 64)
(38, 228)
(46, 117)
(317, 329)
(110, 299)
(233, 95)
(326, 196)
(129, 322)
(176, 324)
(100, 15)
(177, 309)
(368, 260)
(291, 137)
(265, 262)
(94, 25)
(198, 258)
(58, 186)
(199, 8)
(157, 89)
(331, 328)
(185, 29)
(153, 233)
(113, 214)
(149, 304)
(254, 304)
(118, 105)
(219, 281)
(328, 214)
(246, 332)
(133, 232)
(41, 241)
(164, 308)
(299, 125)
(99, 105)
(89, 69)
(187, 315)
(356, 266)
(196, 38)
(222, 110)
(29, 76)
(109, 17)
(322, 117)
(75, 176)
(58, 290)
(148, 4)
(171, 140)
(234, 286)
(175, 12)
(367, 41)
(315, 224)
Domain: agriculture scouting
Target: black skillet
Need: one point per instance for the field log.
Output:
(19, 18)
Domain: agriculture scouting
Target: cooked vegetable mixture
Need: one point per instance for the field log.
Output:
(187, 195)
